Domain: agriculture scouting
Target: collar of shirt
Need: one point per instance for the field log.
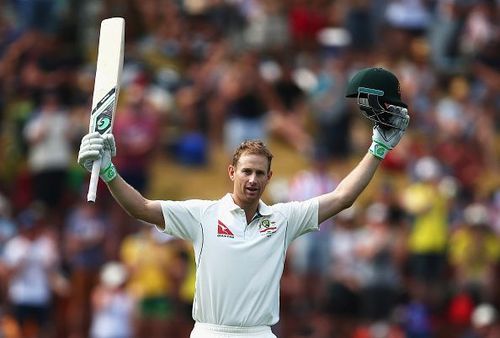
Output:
(229, 205)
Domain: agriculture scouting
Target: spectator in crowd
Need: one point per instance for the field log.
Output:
(37, 15)
(474, 254)
(444, 35)
(8, 229)
(330, 113)
(32, 261)
(306, 279)
(191, 148)
(378, 252)
(151, 281)
(289, 119)
(493, 206)
(416, 314)
(112, 305)
(309, 255)
(428, 239)
(137, 129)
(267, 29)
(306, 19)
(49, 136)
(85, 241)
(247, 101)
(342, 300)
(484, 322)
(184, 273)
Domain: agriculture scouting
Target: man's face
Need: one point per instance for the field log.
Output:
(250, 177)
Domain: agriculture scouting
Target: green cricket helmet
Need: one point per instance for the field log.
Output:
(379, 97)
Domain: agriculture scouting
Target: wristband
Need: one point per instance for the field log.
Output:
(379, 150)
(109, 173)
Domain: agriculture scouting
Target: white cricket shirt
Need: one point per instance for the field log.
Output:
(239, 265)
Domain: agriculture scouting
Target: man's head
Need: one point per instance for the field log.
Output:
(253, 147)
(378, 95)
(250, 171)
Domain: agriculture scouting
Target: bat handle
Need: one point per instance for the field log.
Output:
(94, 179)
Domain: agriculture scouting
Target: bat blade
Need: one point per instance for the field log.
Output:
(106, 86)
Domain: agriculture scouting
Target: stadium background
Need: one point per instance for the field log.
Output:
(417, 256)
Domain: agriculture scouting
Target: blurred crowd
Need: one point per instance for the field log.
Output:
(417, 257)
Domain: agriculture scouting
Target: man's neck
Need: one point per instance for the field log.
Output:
(250, 209)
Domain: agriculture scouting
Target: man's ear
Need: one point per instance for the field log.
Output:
(231, 171)
(269, 175)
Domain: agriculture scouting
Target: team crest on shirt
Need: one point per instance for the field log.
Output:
(266, 227)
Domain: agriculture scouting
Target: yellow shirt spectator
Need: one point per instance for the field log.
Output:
(428, 206)
(474, 251)
(149, 261)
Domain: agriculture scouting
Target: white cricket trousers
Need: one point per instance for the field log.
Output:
(203, 330)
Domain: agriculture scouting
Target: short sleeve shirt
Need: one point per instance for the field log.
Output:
(239, 265)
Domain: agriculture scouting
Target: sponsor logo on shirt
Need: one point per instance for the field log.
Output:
(223, 230)
(266, 227)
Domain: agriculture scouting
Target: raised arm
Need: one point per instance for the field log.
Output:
(96, 146)
(349, 188)
(379, 98)
(135, 204)
(384, 139)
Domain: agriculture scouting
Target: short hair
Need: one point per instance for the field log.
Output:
(253, 147)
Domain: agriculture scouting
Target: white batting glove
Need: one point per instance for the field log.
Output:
(96, 146)
(384, 139)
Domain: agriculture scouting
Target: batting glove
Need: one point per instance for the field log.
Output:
(384, 139)
(95, 146)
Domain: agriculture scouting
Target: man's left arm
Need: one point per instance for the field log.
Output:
(348, 189)
(384, 139)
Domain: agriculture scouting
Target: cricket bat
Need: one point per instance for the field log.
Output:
(106, 86)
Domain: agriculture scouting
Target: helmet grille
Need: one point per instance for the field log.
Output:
(375, 109)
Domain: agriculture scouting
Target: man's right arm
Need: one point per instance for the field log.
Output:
(135, 204)
(95, 146)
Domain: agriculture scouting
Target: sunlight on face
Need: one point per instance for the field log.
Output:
(250, 177)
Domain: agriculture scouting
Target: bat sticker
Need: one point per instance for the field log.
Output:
(102, 114)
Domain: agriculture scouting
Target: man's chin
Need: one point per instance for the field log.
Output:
(252, 196)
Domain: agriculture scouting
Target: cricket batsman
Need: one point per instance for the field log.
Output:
(239, 241)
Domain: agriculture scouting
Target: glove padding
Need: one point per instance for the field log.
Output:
(95, 146)
(385, 139)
